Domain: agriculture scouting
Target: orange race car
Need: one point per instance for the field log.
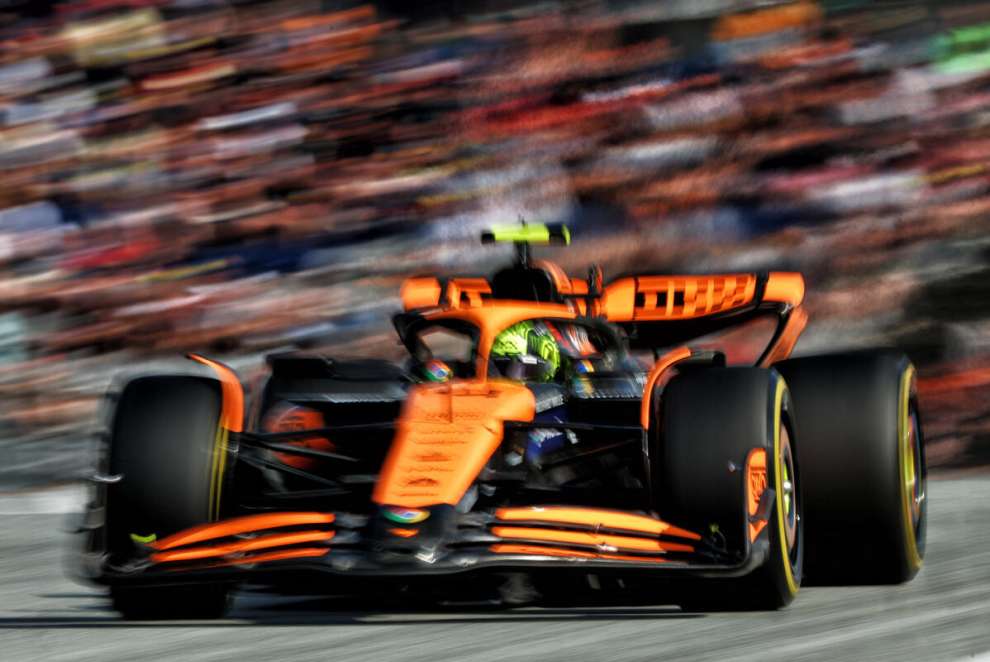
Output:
(526, 436)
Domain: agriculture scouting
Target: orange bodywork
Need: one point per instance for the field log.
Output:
(467, 292)
(243, 546)
(590, 538)
(420, 293)
(241, 525)
(655, 298)
(266, 557)
(784, 287)
(593, 517)
(445, 435)
(232, 407)
(427, 292)
(560, 552)
(756, 483)
(784, 344)
(404, 533)
(664, 297)
(564, 283)
(660, 367)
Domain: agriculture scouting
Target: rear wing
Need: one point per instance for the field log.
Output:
(660, 311)
(655, 311)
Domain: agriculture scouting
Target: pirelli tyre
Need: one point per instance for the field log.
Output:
(712, 427)
(167, 445)
(863, 458)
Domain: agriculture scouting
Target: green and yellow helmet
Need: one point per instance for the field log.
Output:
(526, 351)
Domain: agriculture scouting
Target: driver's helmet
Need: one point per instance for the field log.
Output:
(526, 351)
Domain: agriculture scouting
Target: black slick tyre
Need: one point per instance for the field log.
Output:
(709, 424)
(862, 452)
(167, 444)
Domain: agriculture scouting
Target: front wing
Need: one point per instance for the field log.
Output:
(445, 542)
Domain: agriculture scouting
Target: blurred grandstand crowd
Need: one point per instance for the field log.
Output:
(240, 177)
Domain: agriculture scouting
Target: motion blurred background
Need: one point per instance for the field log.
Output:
(238, 177)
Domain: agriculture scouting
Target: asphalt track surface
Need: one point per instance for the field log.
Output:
(944, 614)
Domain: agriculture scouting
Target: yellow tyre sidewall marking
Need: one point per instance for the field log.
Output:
(216, 471)
(904, 449)
(792, 585)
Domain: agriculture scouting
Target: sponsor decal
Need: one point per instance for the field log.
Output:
(584, 366)
(437, 371)
(406, 515)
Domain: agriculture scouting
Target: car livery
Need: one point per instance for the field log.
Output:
(712, 485)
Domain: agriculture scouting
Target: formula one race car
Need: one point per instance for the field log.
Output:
(525, 436)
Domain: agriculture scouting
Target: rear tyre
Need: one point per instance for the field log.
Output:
(167, 443)
(707, 424)
(862, 451)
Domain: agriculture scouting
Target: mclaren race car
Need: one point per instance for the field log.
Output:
(565, 430)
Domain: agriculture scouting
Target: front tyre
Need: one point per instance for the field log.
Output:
(709, 426)
(167, 443)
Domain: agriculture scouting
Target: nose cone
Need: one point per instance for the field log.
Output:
(398, 534)
(446, 434)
